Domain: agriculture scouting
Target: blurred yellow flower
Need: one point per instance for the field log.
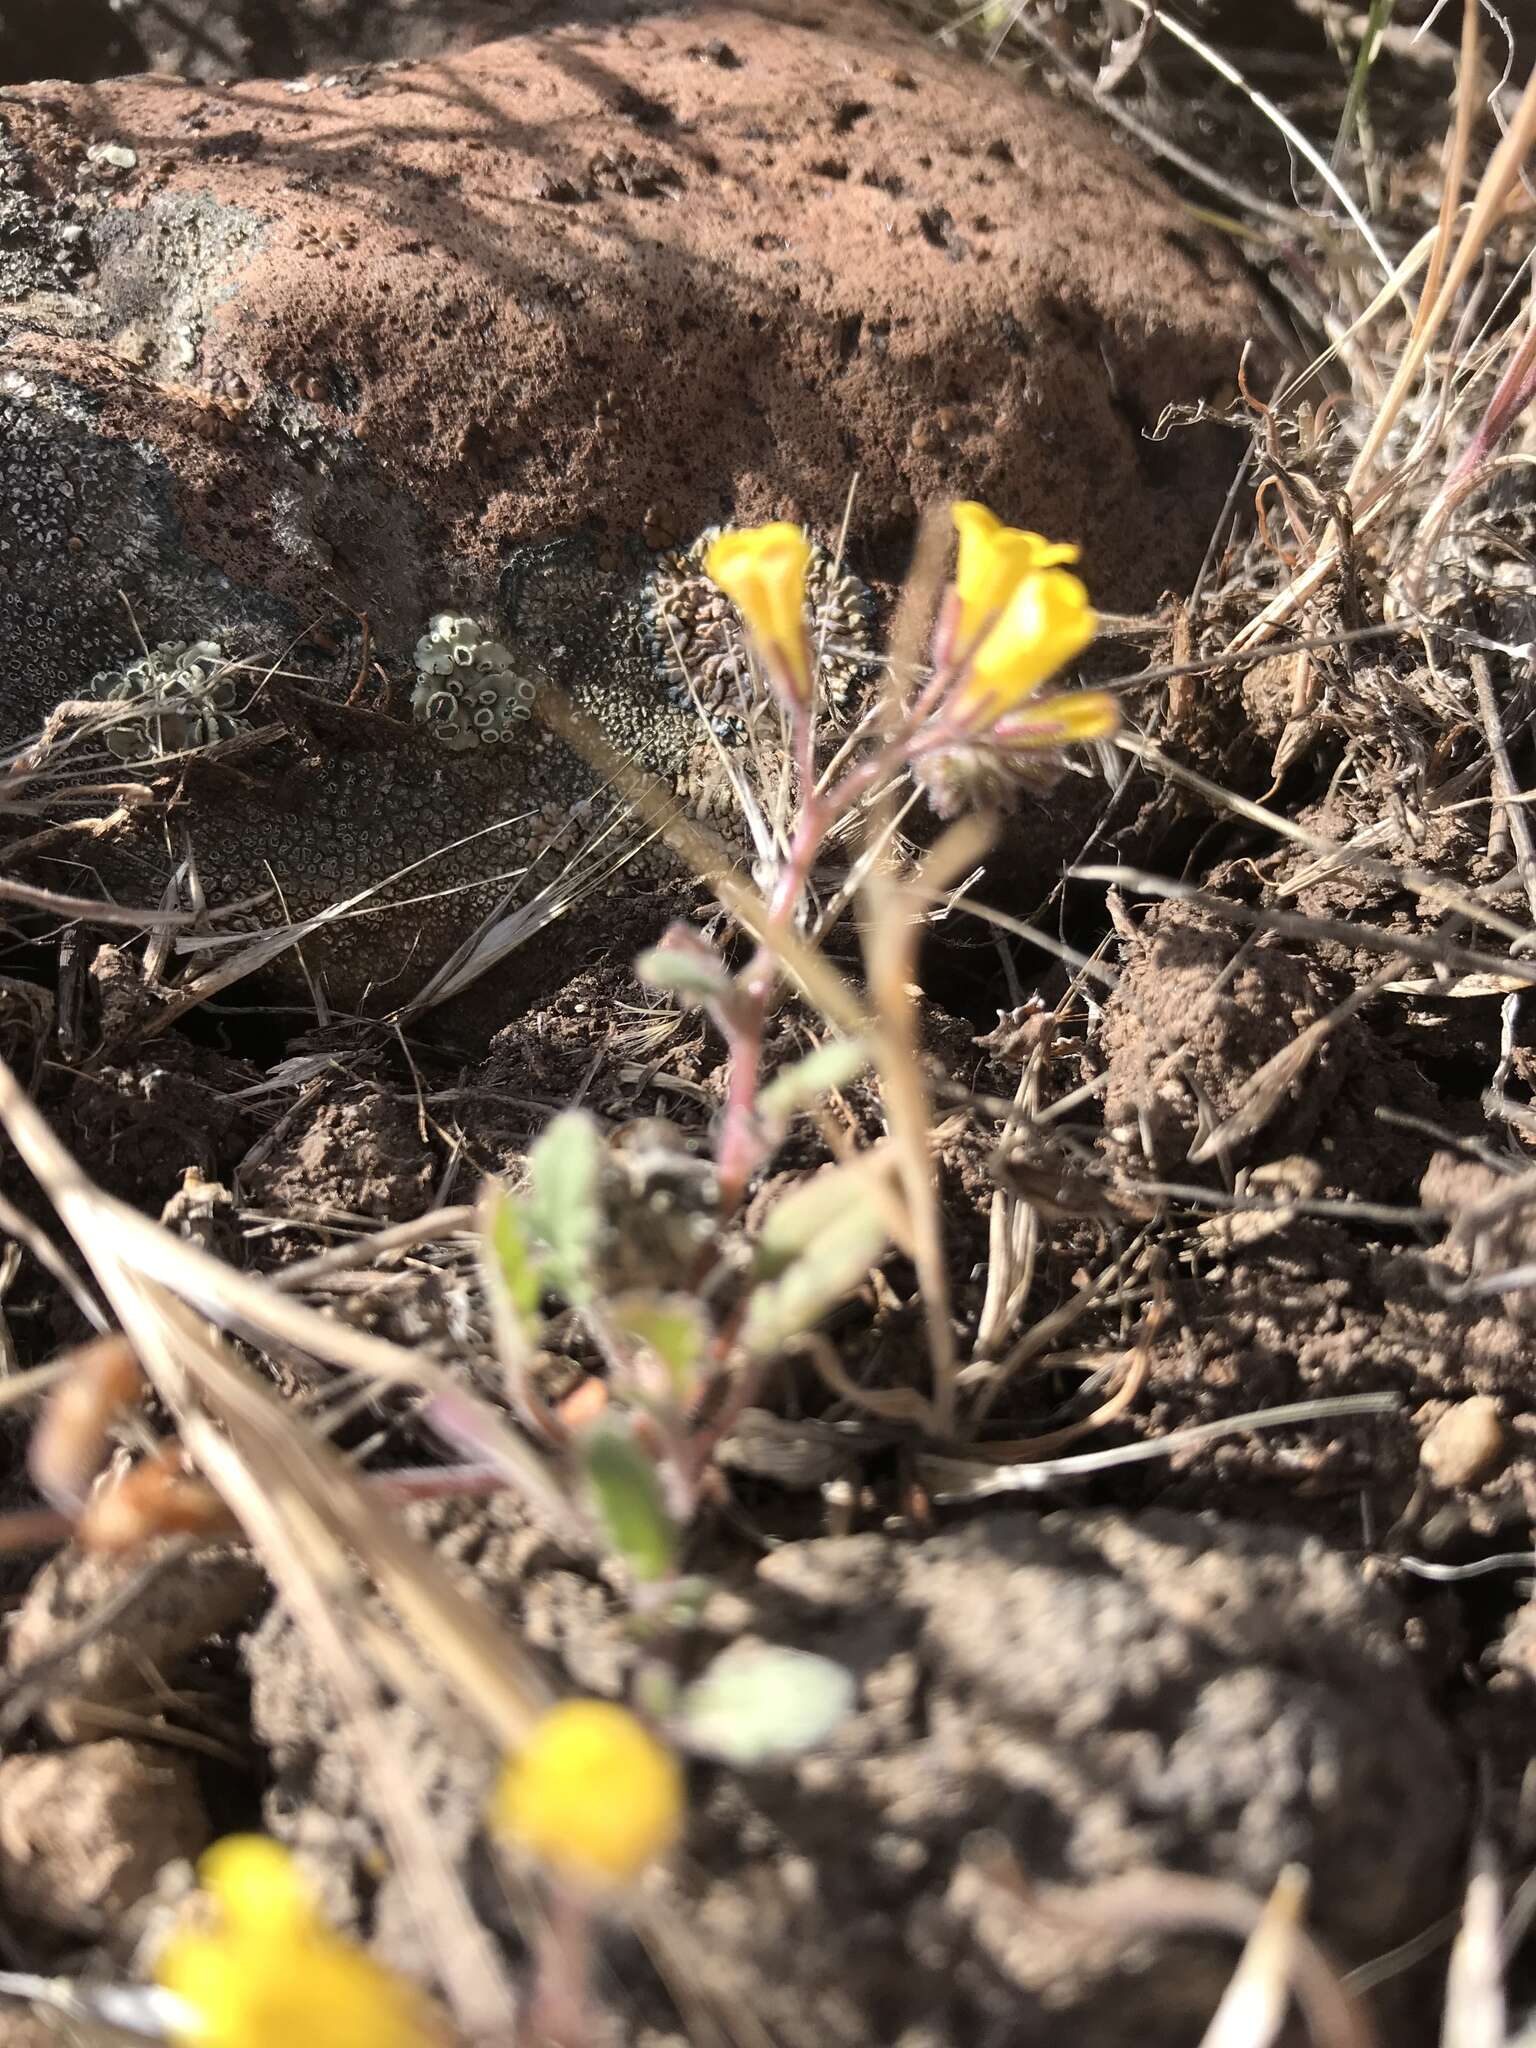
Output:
(1061, 721)
(269, 1972)
(762, 570)
(992, 561)
(592, 1795)
(1046, 623)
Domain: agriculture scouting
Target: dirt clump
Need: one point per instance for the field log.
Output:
(70, 1668)
(85, 1833)
(364, 1156)
(1215, 1037)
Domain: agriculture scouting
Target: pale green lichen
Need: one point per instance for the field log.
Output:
(468, 690)
(180, 696)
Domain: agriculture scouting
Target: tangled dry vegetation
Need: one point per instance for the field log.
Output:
(1231, 1206)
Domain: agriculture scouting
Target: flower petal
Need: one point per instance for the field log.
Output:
(1062, 721)
(763, 571)
(592, 1794)
(1047, 622)
(992, 561)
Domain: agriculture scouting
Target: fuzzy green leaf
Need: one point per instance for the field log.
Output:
(563, 1206)
(693, 972)
(759, 1704)
(626, 1495)
(672, 1326)
(511, 1268)
(815, 1247)
(828, 1067)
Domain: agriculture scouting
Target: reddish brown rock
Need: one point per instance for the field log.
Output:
(480, 331)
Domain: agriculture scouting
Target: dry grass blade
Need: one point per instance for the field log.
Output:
(437, 1226)
(260, 952)
(891, 934)
(1440, 953)
(1299, 141)
(1254, 2005)
(510, 926)
(966, 1479)
(90, 910)
(1475, 2015)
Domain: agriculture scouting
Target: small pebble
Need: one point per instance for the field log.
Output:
(1467, 1445)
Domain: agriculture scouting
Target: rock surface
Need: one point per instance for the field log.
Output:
(485, 332)
(1106, 1695)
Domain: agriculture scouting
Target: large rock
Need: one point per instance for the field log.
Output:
(481, 333)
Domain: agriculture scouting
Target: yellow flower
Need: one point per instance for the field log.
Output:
(269, 1971)
(1046, 623)
(592, 1795)
(1062, 721)
(993, 560)
(762, 570)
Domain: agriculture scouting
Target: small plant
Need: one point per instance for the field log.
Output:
(687, 1329)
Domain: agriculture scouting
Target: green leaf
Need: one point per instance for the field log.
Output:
(828, 1067)
(758, 1703)
(563, 1206)
(672, 1326)
(684, 965)
(815, 1247)
(511, 1268)
(625, 1489)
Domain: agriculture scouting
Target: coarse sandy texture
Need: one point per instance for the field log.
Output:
(485, 332)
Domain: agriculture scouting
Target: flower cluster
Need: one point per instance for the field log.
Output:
(268, 1970)
(1012, 617)
(591, 1795)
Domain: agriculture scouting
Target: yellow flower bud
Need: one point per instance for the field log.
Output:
(269, 1970)
(762, 570)
(1047, 622)
(993, 560)
(1062, 721)
(592, 1795)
